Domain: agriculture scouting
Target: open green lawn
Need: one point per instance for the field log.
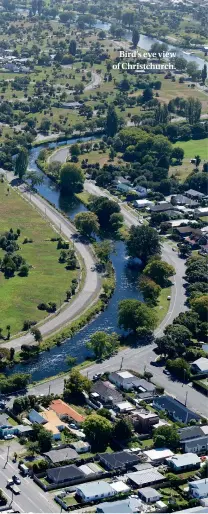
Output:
(163, 304)
(194, 147)
(48, 280)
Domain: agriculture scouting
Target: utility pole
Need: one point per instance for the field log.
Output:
(186, 398)
(49, 389)
(7, 457)
(122, 359)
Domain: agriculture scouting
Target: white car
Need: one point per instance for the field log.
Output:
(9, 436)
(169, 297)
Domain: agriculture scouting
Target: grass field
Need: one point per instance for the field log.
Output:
(47, 281)
(194, 147)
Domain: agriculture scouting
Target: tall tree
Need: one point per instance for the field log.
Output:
(143, 242)
(159, 271)
(103, 344)
(98, 431)
(193, 110)
(72, 47)
(87, 223)
(135, 37)
(133, 314)
(204, 74)
(21, 162)
(111, 121)
(71, 178)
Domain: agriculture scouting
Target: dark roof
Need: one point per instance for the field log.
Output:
(184, 200)
(173, 406)
(36, 417)
(184, 230)
(64, 473)
(119, 459)
(161, 207)
(148, 386)
(107, 391)
(61, 455)
(190, 433)
(193, 192)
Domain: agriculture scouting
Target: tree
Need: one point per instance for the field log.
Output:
(192, 70)
(71, 179)
(103, 344)
(147, 95)
(178, 153)
(87, 223)
(21, 162)
(198, 160)
(133, 314)
(170, 433)
(200, 305)
(12, 353)
(179, 368)
(123, 429)
(135, 37)
(98, 431)
(35, 179)
(193, 110)
(116, 221)
(103, 250)
(150, 290)
(104, 208)
(180, 63)
(36, 334)
(111, 121)
(75, 385)
(159, 271)
(143, 242)
(178, 333)
(75, 150)
(71, 361)
(44, 438)
(72, 47)
(204, 73)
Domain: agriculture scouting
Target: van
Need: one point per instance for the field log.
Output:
(23, 470)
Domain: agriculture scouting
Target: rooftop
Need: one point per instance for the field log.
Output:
(193, 192)
(190, 433)
(187, 459)
(124, 374)
(158, 453)
(149, 492)
(146, 476)
(107, 391)
(62, 408)
(176, 408)
(120, 487)
(53, 421)
(119, 459)
(64, 473)
(201, 363)
(119, 507)
(100, 487)
(61, 455)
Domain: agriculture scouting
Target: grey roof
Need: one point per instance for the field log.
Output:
(184, 200)
(195, 193)
(143, 465)
(162, 207)
(182, 460)
(92, 488)
(176, 408)
(64, 473)
(190, 433)
(36, 417)
(148, 386)
(23, 429)
(119, 459)
(201, 363)
(61, 455)
(107, 391)
(116, 506)
(145, 476)
(195, 510)
(149, 492)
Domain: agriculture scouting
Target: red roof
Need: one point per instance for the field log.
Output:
(62, 408)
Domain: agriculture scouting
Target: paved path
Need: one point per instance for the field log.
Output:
(87, 295)
(95, 81)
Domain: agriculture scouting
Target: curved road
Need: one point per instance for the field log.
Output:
(87, 295)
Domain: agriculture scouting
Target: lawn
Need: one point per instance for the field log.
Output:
(163, 304)
(194, 147)
(47, 281)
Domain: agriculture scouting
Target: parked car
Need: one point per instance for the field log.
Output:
(9, 436)
(167, 372)
(10, 482)
(169, 297)
(16, 479)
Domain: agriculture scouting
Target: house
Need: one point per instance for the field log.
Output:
(119, 507)
(61, 455)
(145, 477)
(184, 462)
(80, 446)
(141, 191)
(200, 365)
(124, 380)
(184, 231)
(62, 409)
(144, 420)
(158, 455)
(91, 469)
(142, 204)
(199, 488)
(64, 474)
(149, 495)
(123, 188)
(36, 417)
(53, 423)
(175, 409)
(124, 407)
(23, 430)
(183, 200)
(118, 460)
(71, 105)
(194, 195)
(5, 426)
(193, 439)
(92, 491)
(120, 487)
(162, 207)
(106, 393)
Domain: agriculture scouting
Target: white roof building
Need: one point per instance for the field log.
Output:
(200, 365)
(141, 204)
(199, 488)
(95, 490)
(120, 487)
(180, 461)
(125, 406)
(158, 454)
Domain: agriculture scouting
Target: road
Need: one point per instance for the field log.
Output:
(95, 81)
(89, 292)
(31, 498)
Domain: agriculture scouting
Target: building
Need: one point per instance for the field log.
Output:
(141, 191)
(175, 409)
(124, 407)
(144, 420)
(23, 430)
(184, 231)
(106, 393)
(61, 455)
(126, 380)
(149, 495)
(123, 188)
(184, 200)
(63, 474)
(62, 409)
(91, 469)
(142, 204)
(36, 417)
(199, 488)
(53, 423)
(118, 460)
(162, 207)
(194, 195)
(145, 477)
(81, 446)
(193, 439)
(200, 365)
(195, 510)
(120, 487)
(93, 491)
(119, 507)
(158, 455)
(71, 105)
(185, 462)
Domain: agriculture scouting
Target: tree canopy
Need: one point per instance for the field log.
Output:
(71, 179)
(133, 314)
(143, 242)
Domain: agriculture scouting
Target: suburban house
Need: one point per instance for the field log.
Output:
(193, 439)
(105, 393)
(6, 428)
(143, 204)
(61, 455)
(80, 446)
(199, 488)
(149, 495)
(92, 491)
(62, 409)
(175, 409)
(194, 195)
(158, 455)
(118, 460)
(36, 417)
(144, 420)
(64, 474)
(141, 191)
(200, 366)
(183, 200)
(118, 507)
(145, 477)
(162, 207)
(186, 462)
(124, 407)
(127, 381)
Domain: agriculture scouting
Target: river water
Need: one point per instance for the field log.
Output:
(54, 361)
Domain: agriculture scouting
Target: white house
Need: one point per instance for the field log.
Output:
(123, 379)
(200, 365)
(183, 462)
(158, 455)
(149, 495)
(199, 488)
(95, 491)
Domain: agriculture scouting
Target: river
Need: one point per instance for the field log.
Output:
(54, 361)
